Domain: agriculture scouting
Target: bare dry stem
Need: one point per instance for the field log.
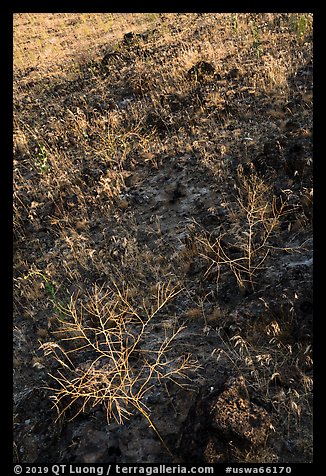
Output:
(255, 218)
(121, 362)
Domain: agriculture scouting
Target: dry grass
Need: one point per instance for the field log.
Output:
(255, 218)
(273, 370)
(96, 118)
(121, 362)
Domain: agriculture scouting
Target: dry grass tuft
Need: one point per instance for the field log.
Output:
(244, 248)
(121, 363)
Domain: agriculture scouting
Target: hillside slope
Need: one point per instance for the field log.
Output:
(163, 197)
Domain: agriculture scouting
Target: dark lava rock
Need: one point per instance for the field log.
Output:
(295, 159)
(235, 73)
(271, 157)
(222, 422)
(200, 70)
(288, 376)
(96, 447)
(174, 101)
(109, 57)
(131, 38)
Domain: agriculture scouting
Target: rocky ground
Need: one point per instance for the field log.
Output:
(163, 196)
